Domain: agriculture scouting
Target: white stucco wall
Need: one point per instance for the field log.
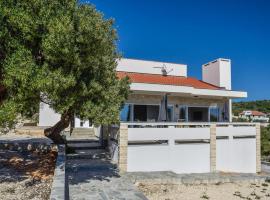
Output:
(235, 154)
(47, 116)
(179, 158)
(84, 125)
(232, 154)
(151, 67)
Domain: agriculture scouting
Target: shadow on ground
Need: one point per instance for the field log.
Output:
(18, 166)
(84, 171)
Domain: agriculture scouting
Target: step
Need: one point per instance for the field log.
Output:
(83, 130)
(91, 154)
(85, 140)
(85, 146)
(90, 165)
(82, 135)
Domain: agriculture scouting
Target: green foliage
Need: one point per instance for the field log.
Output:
(240, 120)
(262, 106)
(61, 53)
(265, 141)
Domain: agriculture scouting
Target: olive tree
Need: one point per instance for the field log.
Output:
(62, 53)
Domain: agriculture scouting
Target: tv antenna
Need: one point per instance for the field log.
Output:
(164, 70)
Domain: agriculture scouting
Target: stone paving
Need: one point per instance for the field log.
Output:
(99, 179)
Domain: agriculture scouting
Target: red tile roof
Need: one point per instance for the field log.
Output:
(166, 80)
(254, 113)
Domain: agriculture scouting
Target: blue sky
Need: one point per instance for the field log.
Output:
(194, 32)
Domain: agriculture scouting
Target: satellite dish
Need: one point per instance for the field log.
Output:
(164, 70)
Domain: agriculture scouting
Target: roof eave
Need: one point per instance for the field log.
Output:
(180, 90)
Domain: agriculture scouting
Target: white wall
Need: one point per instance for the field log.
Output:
(232, 154)
(236, 155)
(151, 67)
(218, 72)
(85, 123)
(179, 158)
(47, 116)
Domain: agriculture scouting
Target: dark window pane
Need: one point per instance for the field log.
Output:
(140, 113)
(198, 116)
(182, 113)
(152, 113)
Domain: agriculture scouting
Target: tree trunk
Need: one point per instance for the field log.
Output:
(54, 132)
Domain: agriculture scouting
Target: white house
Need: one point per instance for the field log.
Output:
(172, 122)
(254, 116)
(188, 99)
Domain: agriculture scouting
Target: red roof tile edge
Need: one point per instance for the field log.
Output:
(167, 80)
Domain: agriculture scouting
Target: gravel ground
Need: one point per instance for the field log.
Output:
(225, 191)
(26, 175)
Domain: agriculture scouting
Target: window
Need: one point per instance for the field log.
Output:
(214, 114)
(125, 113)
(182, 113)
(152, 113)
(90, 123)
(198, 114)
(143, 113)
(81, 123)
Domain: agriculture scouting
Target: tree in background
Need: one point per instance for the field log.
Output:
(61, 53)
(265, 141)
(262, 106)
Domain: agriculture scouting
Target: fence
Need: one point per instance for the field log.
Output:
(187, 147)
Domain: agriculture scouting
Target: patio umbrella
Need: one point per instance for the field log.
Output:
(162, 117)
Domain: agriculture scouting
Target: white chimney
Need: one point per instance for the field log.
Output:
(218, 72)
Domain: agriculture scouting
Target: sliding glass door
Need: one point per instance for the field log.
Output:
(214, 113)
(144, 113)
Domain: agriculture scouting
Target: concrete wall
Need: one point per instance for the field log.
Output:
(47, 116)
(151, 67)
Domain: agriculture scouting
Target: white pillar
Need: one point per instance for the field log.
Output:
(230, 110)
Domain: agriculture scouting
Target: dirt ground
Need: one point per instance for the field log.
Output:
(26, 175)
(224, 191)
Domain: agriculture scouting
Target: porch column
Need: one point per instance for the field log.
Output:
(213, 147)
(123, 144)
(258, 148)
(230, 110)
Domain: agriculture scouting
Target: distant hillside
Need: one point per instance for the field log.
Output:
(262, 106)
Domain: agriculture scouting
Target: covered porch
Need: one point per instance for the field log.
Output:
(170, 103)
(151, 108)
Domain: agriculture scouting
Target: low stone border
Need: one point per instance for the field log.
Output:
(27, 144)
(59, 189)
(194, 179)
